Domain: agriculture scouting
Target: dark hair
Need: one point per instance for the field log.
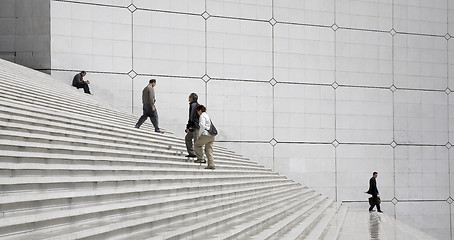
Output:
(374, 173)
(152, 80)
(201, 108)
(83, 72)
(194, 96)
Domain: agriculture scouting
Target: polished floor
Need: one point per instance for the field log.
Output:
(359, 223)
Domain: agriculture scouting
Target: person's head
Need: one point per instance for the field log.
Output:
(375, 174)
(200, 109)
(152, 82)
(83, 73)
(193, 97)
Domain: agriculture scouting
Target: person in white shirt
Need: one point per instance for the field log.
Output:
(204, 138)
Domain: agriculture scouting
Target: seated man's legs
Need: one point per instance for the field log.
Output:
(84, 86)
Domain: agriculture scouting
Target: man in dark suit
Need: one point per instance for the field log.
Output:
(374, 192)
(79, 82)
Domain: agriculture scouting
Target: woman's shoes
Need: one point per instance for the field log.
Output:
(204, 161)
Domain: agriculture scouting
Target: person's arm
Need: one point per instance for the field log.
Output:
(376, 189)
(374, 185)
(201, 125)
(152, 97)
(191, 120)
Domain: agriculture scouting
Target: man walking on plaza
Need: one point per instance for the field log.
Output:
(373, 190)
(192, 128)
(149, 108)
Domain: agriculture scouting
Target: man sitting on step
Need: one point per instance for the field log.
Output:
(79, 82)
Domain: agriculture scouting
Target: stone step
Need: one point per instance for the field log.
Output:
(41, 85)
(254, 223)
(62, 120)
(103, 224)
(195, 228)
(299, 227)
(13, 203)
(319, 225)
(22, 124)
(42, 100)
(6, 180)
(57, 96)
(50, 147)
(159, 161)
(103, 147)
(38, 170)
(82, 120)
(333, 228)
(36, 192)
(84, 206)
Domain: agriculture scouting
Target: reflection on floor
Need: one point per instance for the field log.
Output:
(359, 223)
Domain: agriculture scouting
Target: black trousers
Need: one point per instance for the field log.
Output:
(84, 86)
(375, 203)
(148, 112)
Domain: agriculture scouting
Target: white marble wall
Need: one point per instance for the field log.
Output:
(25, 32)
(325, 91)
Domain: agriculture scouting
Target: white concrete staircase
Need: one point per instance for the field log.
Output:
(74, 168)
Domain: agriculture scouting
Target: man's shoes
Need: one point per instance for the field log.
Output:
(159, 131)
(371, 210)
(200, 161)
(191, 156)
(210, 167)
(380, 211)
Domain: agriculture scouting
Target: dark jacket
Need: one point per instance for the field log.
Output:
(193, 122)
(373, 187)
(78, 79)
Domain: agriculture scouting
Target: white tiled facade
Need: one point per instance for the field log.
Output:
(325, 92)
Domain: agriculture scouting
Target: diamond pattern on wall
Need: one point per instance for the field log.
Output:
(449, 200)
(273, 142)
(447, 36)
(273, 82)
(393, 144)
(392, 32)
(448, 91)
(448, 145)
(206, 15)
(335, 27)
(132, 74)
(206, 78)
(335, 143)
(272, 21)
(335, 85)
(394, 201)
(132, 8)
(393, 88)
